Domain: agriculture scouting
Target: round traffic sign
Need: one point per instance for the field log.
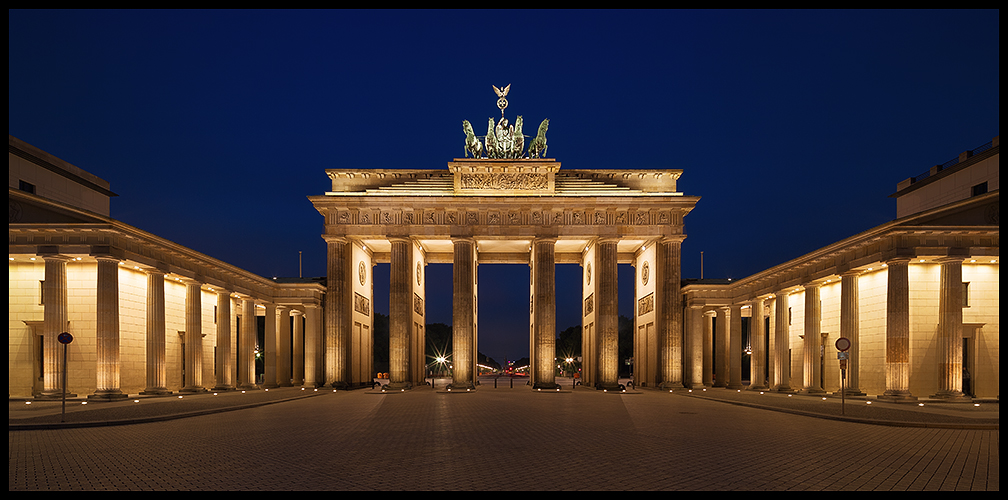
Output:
(842, 344)
(65, 338)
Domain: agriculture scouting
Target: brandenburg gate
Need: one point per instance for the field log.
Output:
(504, 203)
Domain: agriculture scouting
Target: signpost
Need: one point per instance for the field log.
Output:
(64, 338)
(842, 345)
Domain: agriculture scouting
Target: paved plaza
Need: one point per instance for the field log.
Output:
(502, 438)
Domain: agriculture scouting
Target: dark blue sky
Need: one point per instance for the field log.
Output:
(792, 126)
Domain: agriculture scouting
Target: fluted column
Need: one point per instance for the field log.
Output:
(757, 343)
(670, 324)
(193, 338)
(401, 315)
(708, 348)
(463, 313)
(694, 347)
(283, 347)
(898, 331)
(721, 362)
(782, 337)
(850, 329)
(156, 369)
(55, 320)
(298, 349)
(544, 313)
(338, 323)
(246, 346)
(735, 348)
(608, 316)
(223, 381)
(107, 330)
(270, 349)
(312, 365)
(950, 363)
(811, 367)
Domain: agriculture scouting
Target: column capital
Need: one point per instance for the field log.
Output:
(950, 259)
(332, 238)
(899, 259)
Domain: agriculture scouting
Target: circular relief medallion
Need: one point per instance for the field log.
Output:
(644, 272)
(588, 273)
(419, 270)
(362, 272)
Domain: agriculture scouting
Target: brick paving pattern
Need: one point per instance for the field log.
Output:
(502, 439)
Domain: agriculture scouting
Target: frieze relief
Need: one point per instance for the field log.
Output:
(645, 304)
(502, 217)
(503, 181)
(362, 304)
(418, 304)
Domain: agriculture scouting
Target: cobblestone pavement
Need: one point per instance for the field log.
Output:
(502, 439)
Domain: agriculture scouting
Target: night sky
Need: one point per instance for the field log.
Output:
(793, 127)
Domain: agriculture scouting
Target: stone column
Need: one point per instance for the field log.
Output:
(193, 338)
(670, 324)
(311, 347)
(298, 371)
(107, 323)
(55, 319)
(544, 313)
(721, 361)
(898, 331)
(270, 349)
(708, 349)
(735, 348)
(283, 347)
(246, 346)
(401, 315)
(950, 363)
(782, 338)
(694, 347)
(757, 342)
(608, 316)
(463, 313)
(850, 328)
(811, 367)
(157, 376)
(224, 368)
(338, 322)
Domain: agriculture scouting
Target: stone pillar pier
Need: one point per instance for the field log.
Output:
(338, 323)
(898, 331)
(107, 305)
(708, 349)
(156, 371)
(782, 347)
(312, 366)
(811, 367)
(544, 313)
(223, 379)
(950, 362)
(463, 313)
(608, 316)
(757, 342)
(670, 314)
(246, 346)
(298, 349)
(695, 321)
(401, 315)
(735, 348)
(721, 361)
(850, 328)
(270, 349)
(193, 363)
(283, 347)
(55, 321)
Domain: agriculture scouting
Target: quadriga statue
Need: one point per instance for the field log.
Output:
(472, 144)
(537, 148)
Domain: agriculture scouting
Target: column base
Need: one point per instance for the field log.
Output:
(53, 396)
(156, 391)
(108, 395)
(950, 396)
(812, 392)
(223, 388)
(671, 386)
(784, 388)
(193, 390)
(734, 387)
(897, 397)
(752, 387)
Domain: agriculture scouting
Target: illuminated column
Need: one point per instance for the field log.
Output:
(544, 313)
(721, 349)
(401, 314)
(107, 323)
(270, 349)
(463, 313)
(950, 302)
(193, 338)
(708, 348)
(156, 374)
(311, 347)
(811, 367)
(898, 331)
(55, 319)
(670, 325)
(283, 347)
(757, 343)
(224, 368)
(339, 295)
(735, 348)
(246, 346)
(297, 375)
(695, 319)
(608, 316)
(782, 337)
(850, 328)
